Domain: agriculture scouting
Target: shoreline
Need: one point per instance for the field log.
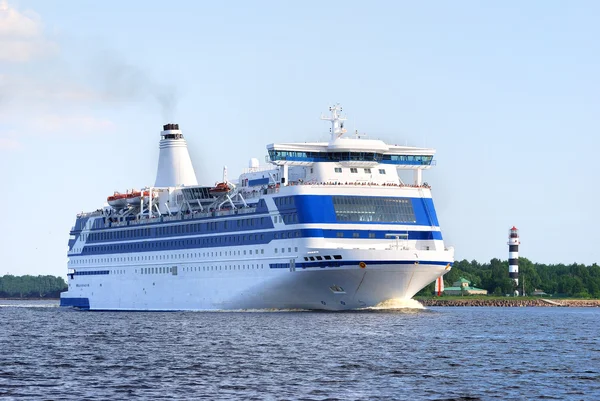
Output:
(512, 302)
(29, 299)
(498, 302)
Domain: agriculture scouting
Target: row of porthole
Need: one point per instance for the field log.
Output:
(167, 270)
(174, 256)
(226, 267)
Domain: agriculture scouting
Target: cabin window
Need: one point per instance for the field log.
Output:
(338, 169)
(368, 170)
(354, 170)
(381, 171)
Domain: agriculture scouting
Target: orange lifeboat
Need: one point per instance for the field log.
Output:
(135, 197)
(220, 189)
(117, 200)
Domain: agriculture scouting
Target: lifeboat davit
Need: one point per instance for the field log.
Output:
(135, 197)
(220, 189)
(117, 200)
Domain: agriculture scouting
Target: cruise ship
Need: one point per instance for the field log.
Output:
(322, 225)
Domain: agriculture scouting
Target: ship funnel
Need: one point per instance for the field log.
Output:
(174, 163)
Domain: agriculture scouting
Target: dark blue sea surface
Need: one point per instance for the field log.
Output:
(463, 353)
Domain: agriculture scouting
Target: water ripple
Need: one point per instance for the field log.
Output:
(386, 353)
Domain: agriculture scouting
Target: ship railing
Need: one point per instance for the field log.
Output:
(176, 217)
(196, 215)
(246, 210)
(358, 184)
(222, 213)
(212, 213)
(90, 214)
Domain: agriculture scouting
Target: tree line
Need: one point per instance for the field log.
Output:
(31, 286)
(574, 280)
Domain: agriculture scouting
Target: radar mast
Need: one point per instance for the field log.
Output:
(337, 122)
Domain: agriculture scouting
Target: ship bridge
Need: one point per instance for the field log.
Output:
(349, 152)
(305, 154)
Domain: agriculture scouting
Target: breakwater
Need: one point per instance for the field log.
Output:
(511, 302)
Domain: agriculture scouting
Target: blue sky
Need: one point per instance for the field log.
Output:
(507, 92)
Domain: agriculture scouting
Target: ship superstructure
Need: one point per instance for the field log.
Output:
(325, 225)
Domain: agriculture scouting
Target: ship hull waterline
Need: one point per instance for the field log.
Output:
(334, 289)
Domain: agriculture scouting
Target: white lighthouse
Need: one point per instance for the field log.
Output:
(174, 163)
(513, 256)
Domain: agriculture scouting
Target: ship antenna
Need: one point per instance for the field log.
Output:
(337, 122)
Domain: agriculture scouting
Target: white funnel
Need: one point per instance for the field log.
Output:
(174, 163)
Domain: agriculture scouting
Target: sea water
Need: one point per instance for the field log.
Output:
(384, 353)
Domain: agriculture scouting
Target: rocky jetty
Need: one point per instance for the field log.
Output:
(510, 302)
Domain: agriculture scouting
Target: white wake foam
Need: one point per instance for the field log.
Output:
(396, 303)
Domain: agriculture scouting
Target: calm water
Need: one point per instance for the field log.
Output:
(434, 354)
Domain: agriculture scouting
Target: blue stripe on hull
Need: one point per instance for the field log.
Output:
(336, 263)
(80, 303)
(256, 238)
(333, 233)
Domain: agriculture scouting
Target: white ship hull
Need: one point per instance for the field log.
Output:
(255, 286)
